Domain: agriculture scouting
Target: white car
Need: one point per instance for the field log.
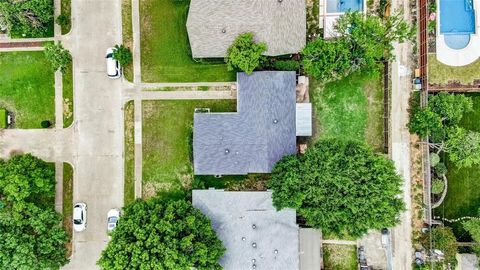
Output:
(113, 67)
(79, 217)
(112, 219)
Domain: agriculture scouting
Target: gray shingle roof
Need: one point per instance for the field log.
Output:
(254, 138)
(212, 25)
(233, 214)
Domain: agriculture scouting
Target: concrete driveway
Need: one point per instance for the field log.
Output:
(98, 128)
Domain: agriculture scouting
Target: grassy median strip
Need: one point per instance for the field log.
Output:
(166, 54)
(129, 184)
(68, 203)
(67, 79)
(27, 88)
(66, 13)
(127, 35)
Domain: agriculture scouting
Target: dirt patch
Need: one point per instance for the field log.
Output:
(67, 108)
(416, 188)
(150, 189)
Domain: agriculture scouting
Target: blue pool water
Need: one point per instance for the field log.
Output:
(335, 6)
(457, 22)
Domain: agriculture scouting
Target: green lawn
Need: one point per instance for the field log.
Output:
(351, 108)
(66, 9)
(129, 184)
(440, 74)
(166, 140)
(3, 118)
(166, 55)
(67, 79)
(463, 195)
(27, 88)
(68, 203)
(127, 34)
(340, 257)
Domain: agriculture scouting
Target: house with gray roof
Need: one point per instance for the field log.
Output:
(213, 25)
(254, 138)
(256, 236)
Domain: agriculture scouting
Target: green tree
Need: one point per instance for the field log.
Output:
(327, 60)
(31, 236)
(58, 56)
(438, 186)
(463, 147)
(444, 240)
(32, 18)
(122, 54)
(244, 53)
(473, 228)
(339, 186)
(161, 234)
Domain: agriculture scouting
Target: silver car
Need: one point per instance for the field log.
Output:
(112, 219)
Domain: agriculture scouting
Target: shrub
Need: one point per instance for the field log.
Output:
(46, 124)
(434, 159)
(122, 54)
(441, 169)
(288, 65)
(438, 186)
(63, 20)
(58, 56)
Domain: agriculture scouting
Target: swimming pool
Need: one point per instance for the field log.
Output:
(336, 6)
(457, 22)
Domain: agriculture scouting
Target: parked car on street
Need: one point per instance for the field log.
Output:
(112, 219)
(79, 217)
(113, 67)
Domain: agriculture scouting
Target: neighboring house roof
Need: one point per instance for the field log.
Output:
(254, 138)
(243, 220)
(213, 25)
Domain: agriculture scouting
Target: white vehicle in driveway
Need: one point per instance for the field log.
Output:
(79, 217)
(112, 219)
(113, 67)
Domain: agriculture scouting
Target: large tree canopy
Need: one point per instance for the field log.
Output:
(341, 187)
(363, 41)
(58, 56)
(162, 234)
(440, 119)
(473, 228)
(244, 54)
(30, 233)
(28, 18)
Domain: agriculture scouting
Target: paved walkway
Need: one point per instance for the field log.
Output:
(339, 242)
(20, 49)
(6, 39)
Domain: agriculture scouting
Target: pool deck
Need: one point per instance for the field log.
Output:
(465, 56)
(328, 20)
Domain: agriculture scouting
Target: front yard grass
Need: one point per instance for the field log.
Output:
(68, 203)
(340, 257)
(439, 73)
(166, 142)
(351, 108)
(165, 49)
(67, 79)
(129, 184)
(463, 194)
(27, 88)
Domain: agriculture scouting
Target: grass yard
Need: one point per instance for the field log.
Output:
(27, 88)
(127, 34)
(66, 10)
(351, 108)
(129, 184)
(439, 73)
(3, 118)
(166, 55)
(463, 195)
(68, 203)
(67, 79)
(340, 257)
(166, 138)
